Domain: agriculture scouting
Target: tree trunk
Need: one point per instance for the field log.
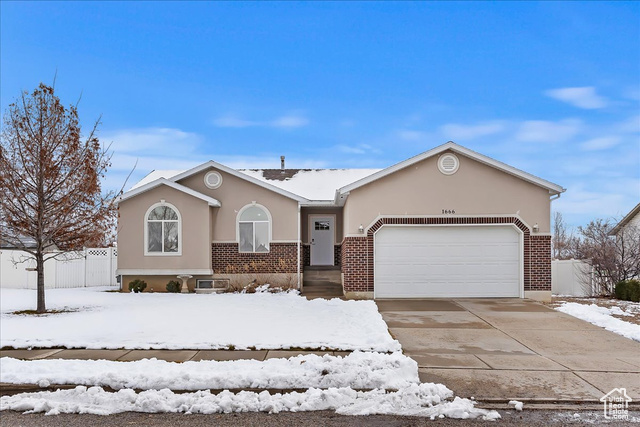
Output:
(40, 269)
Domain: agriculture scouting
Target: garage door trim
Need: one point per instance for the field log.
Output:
(509, 224)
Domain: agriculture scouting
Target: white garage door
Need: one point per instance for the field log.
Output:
(447, 261)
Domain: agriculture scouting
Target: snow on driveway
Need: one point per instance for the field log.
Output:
(195, 321)
(602, 316)
(357, 370)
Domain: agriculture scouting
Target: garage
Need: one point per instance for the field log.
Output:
(456, 261)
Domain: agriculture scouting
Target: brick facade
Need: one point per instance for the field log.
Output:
(281, 258)
(358, 265)
(540, 253)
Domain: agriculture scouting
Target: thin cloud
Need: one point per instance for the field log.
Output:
(581, 97)
(601, 143)
(358, 149)
(158, 140)
(290, 121)
(233, 122)
(547, 131)
(455, 131)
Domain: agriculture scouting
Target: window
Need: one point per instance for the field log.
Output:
(254, 229)
(163, 230)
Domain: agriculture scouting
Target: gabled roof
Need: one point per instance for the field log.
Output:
(452, 146)
(624, 221)
(163, 181)
(230, 171)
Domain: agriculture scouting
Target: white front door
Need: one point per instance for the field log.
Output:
(322, 240)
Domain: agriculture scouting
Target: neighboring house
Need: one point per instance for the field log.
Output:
(627, 234)
(449, 222)
(632, 219)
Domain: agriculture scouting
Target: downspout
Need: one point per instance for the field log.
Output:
(299, 237)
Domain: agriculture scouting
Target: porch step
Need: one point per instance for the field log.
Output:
(321, 288)
(332, 274)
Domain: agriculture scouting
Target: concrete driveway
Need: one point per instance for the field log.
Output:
(512, 349)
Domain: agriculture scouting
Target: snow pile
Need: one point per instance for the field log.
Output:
(358, 370)
(601, 316)
(517, 405)
(196, 321)
(428, 400)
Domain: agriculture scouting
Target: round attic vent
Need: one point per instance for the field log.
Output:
(448, 164)
(213, 180)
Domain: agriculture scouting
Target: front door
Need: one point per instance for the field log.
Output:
(322, 240)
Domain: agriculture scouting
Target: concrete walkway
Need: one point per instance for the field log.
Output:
(168, 355)
(513, 349)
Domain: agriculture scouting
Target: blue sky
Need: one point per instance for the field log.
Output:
(552, 88)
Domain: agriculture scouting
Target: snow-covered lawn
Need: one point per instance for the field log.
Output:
(604, 316)
(427, 400)
(357, 370)
(101, 319)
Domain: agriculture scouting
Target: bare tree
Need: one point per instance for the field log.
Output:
(50, 175)
(563, 242)
(614, 258)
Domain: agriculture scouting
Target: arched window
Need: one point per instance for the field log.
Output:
(163, 230)
(254, 229)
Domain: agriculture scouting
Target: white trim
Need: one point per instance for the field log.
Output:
(244, 208)
(146, 231)
(164, 272)
(520, 246)
(206, 180)
(553, 188)
(163, 181)
(237, 174)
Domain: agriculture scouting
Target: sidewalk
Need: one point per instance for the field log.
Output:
(167, 355)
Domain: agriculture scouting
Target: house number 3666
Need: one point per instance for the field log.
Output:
(448, 211)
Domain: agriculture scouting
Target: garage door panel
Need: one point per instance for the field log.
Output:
(447, 261)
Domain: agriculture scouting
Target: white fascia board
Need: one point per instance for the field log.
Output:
(230, 171)
(553, 188)
(163, 181)
(318, 204)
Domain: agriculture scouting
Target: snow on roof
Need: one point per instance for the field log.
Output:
(312, 184)
(156, 174)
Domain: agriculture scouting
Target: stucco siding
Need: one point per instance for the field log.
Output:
(196, 245)
(234, 194)
(421, 189)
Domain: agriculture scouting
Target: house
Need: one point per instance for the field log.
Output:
(631, 220)
(449, 222)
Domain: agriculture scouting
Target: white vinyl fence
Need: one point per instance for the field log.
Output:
(89, 267)
(571, 277)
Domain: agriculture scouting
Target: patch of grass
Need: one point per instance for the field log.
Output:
(35, 313)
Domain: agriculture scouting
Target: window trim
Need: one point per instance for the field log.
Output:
(146, 231)
(269, 222)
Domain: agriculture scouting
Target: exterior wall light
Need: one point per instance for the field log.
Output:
(536, 227)
(361, 229)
